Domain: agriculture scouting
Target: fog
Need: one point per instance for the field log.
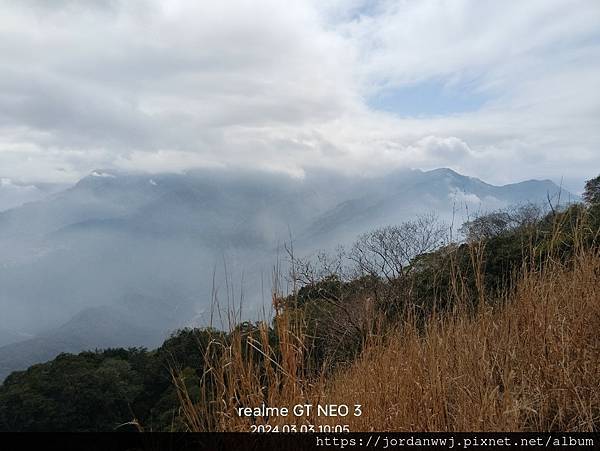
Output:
(125, 258)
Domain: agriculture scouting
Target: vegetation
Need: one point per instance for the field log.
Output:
(592, 191)
(103, 390)
(496, 332)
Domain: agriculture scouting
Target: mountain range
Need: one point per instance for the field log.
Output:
(121, 259)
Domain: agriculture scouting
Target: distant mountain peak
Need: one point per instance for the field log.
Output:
(443, 171)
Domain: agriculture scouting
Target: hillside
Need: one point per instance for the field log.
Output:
(495, 333)
(164, 238)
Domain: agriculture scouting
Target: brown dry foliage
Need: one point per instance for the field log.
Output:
(530, 362)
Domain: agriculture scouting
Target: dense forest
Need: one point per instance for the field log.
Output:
(341, 304)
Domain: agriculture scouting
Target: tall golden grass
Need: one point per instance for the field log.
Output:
(530, 361)
(530, 365)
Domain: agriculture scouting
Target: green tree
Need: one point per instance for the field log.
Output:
(591, 193)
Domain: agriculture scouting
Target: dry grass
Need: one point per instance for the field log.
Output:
(247, 371)
(531, 363)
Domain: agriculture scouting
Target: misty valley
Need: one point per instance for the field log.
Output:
(256, 224)
(124, 259)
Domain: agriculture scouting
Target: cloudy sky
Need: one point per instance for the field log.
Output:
(500, 90)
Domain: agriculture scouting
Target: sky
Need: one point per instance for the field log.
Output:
(504, 91)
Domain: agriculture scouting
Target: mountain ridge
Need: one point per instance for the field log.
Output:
(165, 236)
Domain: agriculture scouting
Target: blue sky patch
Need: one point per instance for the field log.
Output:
(429, 98)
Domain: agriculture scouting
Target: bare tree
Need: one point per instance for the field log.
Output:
(387, 251)
(486, 226)
(498, 222)
(319, 266)
(526, 215)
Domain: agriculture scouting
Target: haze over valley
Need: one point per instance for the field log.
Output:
(123, 259)
(209, 207)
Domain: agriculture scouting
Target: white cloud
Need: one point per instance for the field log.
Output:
(168, 85)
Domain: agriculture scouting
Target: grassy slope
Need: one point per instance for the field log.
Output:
(530, 365)
(529, 362)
